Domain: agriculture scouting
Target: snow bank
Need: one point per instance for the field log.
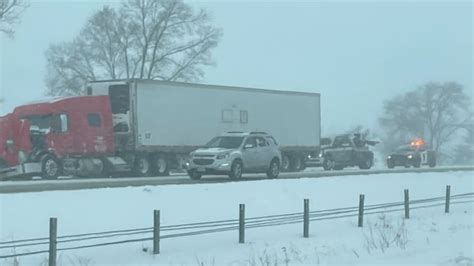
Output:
(425, 238)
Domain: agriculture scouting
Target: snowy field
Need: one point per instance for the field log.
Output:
(429, 237)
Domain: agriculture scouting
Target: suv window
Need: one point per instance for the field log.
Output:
(252, 141)
(271, 139)
(261, 142)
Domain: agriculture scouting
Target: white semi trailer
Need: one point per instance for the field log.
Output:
(158, 123)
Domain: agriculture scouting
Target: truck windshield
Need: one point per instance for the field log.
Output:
(225, 142)
(404, 149)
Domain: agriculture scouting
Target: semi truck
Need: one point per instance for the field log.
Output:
(149, 127)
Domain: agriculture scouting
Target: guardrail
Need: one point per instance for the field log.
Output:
(155, 233)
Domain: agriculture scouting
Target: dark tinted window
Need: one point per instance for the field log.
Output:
(261, 142)
(94, 120)
(119, 98)
(225, 142)
(272, 140)
(252, 141)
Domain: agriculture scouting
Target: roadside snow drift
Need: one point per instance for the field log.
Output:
(429, 237)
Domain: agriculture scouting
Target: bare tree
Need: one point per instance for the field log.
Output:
(433, 111)
(10, 11)
(145, 39)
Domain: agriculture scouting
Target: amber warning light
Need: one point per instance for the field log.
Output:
(418, 143)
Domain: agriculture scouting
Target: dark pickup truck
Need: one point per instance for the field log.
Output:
(347, 151)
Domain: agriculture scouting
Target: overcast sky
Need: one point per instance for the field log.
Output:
(356, 54)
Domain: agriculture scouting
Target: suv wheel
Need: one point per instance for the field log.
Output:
(236, 170)
(274, 169)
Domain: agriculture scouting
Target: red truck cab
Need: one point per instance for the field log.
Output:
(70, 135)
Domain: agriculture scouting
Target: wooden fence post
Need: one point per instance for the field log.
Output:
(361, 210)
(306, 219)
(53, 233)
(448, 198)
(242, 223)
(407, 207)
(156, 232)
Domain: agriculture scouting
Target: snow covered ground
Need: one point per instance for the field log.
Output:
(429, 237)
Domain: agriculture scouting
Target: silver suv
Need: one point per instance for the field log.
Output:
(235, 153)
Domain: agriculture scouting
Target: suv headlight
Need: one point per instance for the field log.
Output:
(222, 156)
(410, 156)
(389, 157)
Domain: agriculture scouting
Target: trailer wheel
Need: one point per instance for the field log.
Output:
(161, 166)
(142, 166)
(50, 167)
(296, 163)
(285, 163)
(236, 170)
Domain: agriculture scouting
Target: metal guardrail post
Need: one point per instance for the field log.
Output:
(306, 219)
(361, 210)
(53, 233)
(407, 207)
(156, 232)
(448, 198)
(242, 223)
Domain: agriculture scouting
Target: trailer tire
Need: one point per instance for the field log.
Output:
(161, 166)
(285, 163)
(296, 163)
(51, 167)
(142, 166)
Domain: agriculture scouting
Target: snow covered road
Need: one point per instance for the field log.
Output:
(68, 183)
